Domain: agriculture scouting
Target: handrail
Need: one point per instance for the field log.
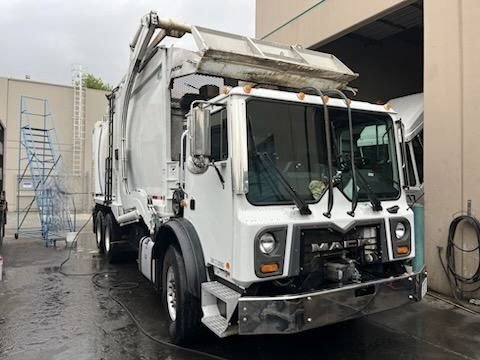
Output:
(327, 126)
(352, 152)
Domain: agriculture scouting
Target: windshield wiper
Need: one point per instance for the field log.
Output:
(302, 205)
(374, 200)
(219, 174)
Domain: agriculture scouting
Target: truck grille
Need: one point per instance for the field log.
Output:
(317, 245)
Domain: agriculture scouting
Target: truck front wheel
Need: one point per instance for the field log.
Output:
(182, 309)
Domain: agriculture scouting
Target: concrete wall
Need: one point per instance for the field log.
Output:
(316, 22)
(60, 101)
(452, 123)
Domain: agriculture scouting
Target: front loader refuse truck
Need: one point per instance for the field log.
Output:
(410, 110)
(260, 199)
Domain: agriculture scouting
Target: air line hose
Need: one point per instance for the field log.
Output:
(119, 286)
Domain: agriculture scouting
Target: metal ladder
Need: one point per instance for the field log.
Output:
(79, 110)
(109, 160)
(39, 169)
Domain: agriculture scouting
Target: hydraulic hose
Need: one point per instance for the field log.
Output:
(452, 247)
(455, 279)
(125, 285)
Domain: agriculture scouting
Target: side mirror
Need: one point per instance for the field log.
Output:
(200, 132)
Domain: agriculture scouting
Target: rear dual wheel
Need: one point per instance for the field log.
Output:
(112, 236)
(99, 231)
(3, 221)
(107, 235)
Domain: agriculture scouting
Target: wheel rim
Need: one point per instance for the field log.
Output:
(99, 233)
(107, 239)
(171, 294)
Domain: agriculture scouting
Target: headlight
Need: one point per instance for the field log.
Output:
(400, 230)
(267, 243)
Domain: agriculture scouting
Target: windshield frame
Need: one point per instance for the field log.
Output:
(390, 125)
(388, 119)
(273, 100)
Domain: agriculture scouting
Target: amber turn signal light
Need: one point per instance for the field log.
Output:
(402, 250)
(269, 268)
(247, 88)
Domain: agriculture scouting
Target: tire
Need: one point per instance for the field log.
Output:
(100, 232)
(2, 227)
(111, 237)
(184, 317)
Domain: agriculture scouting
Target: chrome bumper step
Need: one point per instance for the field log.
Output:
(214, 318)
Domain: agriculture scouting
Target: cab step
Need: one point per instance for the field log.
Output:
(218, 304)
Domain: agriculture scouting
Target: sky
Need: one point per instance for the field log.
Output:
(45, 39)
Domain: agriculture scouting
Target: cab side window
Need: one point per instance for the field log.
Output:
(219, 135)
(418, 150)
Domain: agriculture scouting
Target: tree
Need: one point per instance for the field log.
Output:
(90, 81)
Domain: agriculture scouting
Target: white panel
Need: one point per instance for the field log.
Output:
(148, 131)
(257, 61)
(410, 110)
(147, 266)
(99, 153)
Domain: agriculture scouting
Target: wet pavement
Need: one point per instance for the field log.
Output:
(47, 315)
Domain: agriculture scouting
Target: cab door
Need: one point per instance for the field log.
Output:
(209, 195)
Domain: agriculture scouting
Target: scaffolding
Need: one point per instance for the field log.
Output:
(40, 184)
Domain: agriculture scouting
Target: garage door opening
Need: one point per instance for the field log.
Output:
(387, 53)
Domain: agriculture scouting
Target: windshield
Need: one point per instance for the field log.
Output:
(292, 135)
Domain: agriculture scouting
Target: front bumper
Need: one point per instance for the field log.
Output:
(296, 313)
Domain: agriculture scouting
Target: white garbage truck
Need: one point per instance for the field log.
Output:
(410, 110)
(259, 198)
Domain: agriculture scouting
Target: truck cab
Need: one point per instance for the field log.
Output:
(264, 202)
(264, 141)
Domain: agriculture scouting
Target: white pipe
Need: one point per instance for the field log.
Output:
(169, 24)
(182, 161)
(129, 217)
